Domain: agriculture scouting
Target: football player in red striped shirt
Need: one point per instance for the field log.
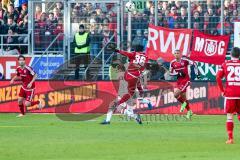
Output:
(27, 76)
(179, 68)
(137, 64)
(230, 70)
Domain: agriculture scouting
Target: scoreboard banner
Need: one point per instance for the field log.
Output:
(39, 64)
(95, 97)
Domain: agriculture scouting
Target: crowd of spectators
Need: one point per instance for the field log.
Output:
(13, 22)
(100, 20)
(48, 24)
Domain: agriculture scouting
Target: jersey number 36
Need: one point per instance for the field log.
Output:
(139, 60)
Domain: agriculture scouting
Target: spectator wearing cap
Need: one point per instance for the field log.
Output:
(81, 44)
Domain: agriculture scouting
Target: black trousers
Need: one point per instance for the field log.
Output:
(81, 59)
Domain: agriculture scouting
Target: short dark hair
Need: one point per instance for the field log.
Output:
(81, 26)
(177, 50)
(21, 56)
(235, 52)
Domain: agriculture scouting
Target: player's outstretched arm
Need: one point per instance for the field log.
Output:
(125, 53)
(194, 64)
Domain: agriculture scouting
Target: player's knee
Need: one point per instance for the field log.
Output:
(20, 101)
(131, 92)
(229, 116)
(27, 104)
(176, 94)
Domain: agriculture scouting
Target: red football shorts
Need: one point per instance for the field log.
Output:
(183, 84)
(232, 105)
(28, 94)
(132, 82)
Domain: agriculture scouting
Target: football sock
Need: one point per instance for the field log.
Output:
(21, 107)
(187, 107)
(34, 103)
(229, 128)
(129, 113)
(180, 99)
(238, 115)
(109, 115)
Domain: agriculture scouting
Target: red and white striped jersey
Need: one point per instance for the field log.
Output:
(26, 75)
(182, 66)
(137, 64)
(230, 70)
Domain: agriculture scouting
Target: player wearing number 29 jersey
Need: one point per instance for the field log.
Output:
(230, 70)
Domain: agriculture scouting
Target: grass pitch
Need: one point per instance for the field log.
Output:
(46, 137)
